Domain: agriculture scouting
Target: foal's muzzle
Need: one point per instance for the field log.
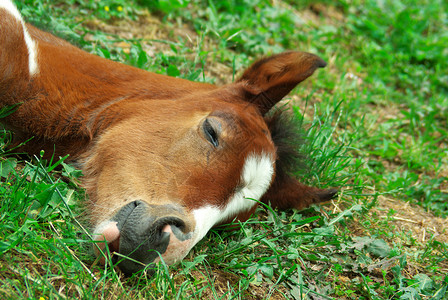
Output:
(147, 232)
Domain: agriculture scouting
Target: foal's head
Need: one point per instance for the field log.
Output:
(168, 170)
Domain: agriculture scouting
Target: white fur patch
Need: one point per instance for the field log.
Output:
(255, 179)
(33, 67)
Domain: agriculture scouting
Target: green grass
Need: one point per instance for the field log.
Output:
(376, 124)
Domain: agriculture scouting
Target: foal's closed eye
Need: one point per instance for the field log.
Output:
(211, 131)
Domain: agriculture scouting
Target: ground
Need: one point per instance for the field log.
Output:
(377, 117)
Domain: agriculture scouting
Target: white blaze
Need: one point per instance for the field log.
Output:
(30, 44)
(255, 179)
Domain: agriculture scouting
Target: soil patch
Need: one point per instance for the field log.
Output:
(155, 36)
(420, 224)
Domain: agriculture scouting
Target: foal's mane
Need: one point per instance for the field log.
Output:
(288, 137)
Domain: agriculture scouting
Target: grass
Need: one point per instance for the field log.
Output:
(376, 124)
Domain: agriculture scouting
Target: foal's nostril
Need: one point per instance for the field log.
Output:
(163, 227)
(161, 223)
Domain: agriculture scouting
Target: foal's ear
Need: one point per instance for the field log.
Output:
(268, 80)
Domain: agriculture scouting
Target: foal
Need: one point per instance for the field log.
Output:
(164, 159)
